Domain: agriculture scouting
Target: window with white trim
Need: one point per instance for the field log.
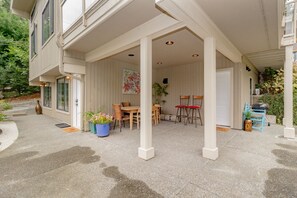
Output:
(47, 21)
(34, 41)
(63, 94)
(47, 95)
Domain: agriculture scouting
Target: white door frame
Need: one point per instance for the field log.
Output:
(230, 70)
(76, 104)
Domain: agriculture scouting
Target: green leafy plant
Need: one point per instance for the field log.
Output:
(89, 115)
(101, 118)
(2, 117)
(159, 91)
(4, 105)
(248, 115)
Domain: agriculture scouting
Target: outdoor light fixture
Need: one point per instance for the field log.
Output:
(247, 68)
(130, 54)
(169, 43)
(195, 55)
(67, 77)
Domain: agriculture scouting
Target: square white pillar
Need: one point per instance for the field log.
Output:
(146, 151)
(289, 131)
(210, 149)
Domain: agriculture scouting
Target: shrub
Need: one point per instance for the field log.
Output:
(2, 117)
(4, 105)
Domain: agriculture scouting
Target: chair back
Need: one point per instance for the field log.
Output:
(126, 104)
(184, 100)
(197, 100)
(117, 111)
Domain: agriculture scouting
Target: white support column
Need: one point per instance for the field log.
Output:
(289, 131)
(146, 151)
(210, 149)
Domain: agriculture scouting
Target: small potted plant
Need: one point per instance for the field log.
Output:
(248, 122)
(158, 91)
(102, 122)
(257, 89)
(88, 117)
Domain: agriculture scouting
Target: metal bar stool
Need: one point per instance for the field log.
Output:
(197, 102)
(181, 109)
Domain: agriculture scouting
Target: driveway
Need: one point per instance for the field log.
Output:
(45, 161)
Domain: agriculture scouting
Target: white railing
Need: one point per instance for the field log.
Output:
(72, 10)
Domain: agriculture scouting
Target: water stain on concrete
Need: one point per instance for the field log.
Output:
(102, 165)
(25, 165)
(281, 183)
(286, 146)
(286, 158)
(126, 187)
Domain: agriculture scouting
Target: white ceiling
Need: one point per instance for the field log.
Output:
(251, 25)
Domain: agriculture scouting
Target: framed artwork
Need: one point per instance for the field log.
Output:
(131, 82)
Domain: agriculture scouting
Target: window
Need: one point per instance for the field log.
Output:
(62, 94)
(32, 13)
(47, 21)
(72, 10)
(33, 41)
(47, 95)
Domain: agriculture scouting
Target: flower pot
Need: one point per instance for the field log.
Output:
(248, 125)
(257, 91)
(102, 130)
(92, 127)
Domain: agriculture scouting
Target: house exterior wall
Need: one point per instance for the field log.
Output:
(104, 85)
(47, 56)
(189, 80)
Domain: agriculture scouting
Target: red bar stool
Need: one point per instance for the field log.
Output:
(181, 109)
(197, 102)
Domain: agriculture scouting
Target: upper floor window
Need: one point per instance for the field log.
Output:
(72, 10)
(47, 21)
(32, 13)
(34, 41)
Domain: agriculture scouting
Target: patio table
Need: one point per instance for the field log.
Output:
(130, 110)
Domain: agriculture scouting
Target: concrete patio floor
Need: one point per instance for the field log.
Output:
(47, 162)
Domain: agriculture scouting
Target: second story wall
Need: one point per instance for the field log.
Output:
(45, 56)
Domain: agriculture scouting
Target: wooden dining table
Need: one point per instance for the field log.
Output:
(131, 110)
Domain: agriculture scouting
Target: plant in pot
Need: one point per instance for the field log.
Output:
(102, 122)
(159, 91)
(88, 118)
(257, 89)
(248, 122)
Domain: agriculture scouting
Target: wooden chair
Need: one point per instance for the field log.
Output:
(126, 104)
(136, 117)
(197, 102)
(118, 116)
(181, 109)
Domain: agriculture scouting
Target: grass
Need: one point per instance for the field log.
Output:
(4, 105)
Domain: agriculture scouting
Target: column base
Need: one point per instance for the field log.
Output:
(289, 132)
(209, 153)
(146, 154)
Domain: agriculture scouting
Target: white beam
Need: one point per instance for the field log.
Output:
(198, 21)
(154, 28)
(210, 149)
(146, 151)
(289, 131)
(47, 79)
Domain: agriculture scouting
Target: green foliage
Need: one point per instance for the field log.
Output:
(2, 117)
(89, 115)
(101, 118)
(14, 54)
(4, 105)
(248, 115)
(158, 92)
(276, 105)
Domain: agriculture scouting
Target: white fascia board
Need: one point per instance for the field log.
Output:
(156, 27)
(47, 79)
(197, 20)
(74, 69)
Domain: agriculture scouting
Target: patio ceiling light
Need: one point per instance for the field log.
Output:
(169, 43)
(195, 55)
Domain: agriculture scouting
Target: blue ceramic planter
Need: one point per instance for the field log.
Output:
(92, 127)
(102, 130)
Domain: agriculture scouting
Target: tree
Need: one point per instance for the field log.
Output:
(14, 51)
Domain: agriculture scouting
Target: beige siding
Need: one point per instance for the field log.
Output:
(103, 85)
(47, 54)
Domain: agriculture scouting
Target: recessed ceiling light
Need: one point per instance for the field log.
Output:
(159, 63)
(169, 43)
(130, 54)
(195, 55)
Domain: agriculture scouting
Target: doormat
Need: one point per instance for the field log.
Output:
(223, 129)
(62, 125)
(70, 130)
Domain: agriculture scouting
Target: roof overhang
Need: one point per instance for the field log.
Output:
(22, 8)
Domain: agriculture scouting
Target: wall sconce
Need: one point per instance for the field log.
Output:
(247, 68)
(165, 81)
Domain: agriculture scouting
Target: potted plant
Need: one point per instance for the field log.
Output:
(257, 89)
(248, 122)
(158, 92)
(102, 122)
(88, 117)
